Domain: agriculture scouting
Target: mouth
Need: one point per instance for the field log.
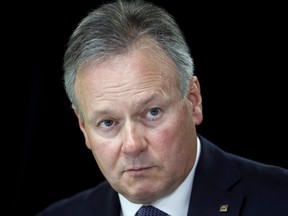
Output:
(139, 170)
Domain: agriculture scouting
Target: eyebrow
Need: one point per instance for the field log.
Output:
(140, 104)
(148, 99)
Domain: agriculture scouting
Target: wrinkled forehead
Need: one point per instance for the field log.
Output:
(145, 45)
(126, 75)
(143, 59)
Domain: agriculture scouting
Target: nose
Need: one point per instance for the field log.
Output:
(133, 138)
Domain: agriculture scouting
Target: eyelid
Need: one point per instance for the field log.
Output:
(104, 127)
(156, 116)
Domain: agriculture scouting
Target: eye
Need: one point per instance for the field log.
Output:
(153, 113)
(107, 123)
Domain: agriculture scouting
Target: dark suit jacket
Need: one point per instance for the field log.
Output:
(248, 188)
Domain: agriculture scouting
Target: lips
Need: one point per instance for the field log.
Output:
(139, 170)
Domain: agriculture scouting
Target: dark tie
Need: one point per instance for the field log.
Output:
(150, 211)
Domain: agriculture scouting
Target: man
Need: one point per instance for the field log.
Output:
(129, 76)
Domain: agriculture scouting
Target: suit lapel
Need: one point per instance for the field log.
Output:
(214, 179)
(108, 204)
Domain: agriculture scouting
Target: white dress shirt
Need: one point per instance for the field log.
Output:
(175, 204)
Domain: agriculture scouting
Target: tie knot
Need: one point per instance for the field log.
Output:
(150, 211)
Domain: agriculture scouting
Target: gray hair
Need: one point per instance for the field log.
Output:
(114, 28)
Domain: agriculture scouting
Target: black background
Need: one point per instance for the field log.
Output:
(240, 55)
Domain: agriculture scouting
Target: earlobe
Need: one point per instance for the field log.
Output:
(194, 96)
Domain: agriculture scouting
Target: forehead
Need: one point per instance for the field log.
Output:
(140, 71)
(147, 57)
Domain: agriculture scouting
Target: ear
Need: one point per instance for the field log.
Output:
(81, 123)
(194, 96)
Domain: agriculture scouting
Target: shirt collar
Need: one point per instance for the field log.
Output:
(175, 204)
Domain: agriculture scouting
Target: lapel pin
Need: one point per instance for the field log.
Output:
(223, 208)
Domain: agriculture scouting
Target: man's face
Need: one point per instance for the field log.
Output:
(139, 128)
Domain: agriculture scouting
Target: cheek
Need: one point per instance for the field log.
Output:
(105, 153)
(167, 138)
(175, 135)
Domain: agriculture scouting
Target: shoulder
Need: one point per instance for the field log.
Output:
(264, 187)
(83, 203)
(264, 175)
(250, 173)
(257, 167)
